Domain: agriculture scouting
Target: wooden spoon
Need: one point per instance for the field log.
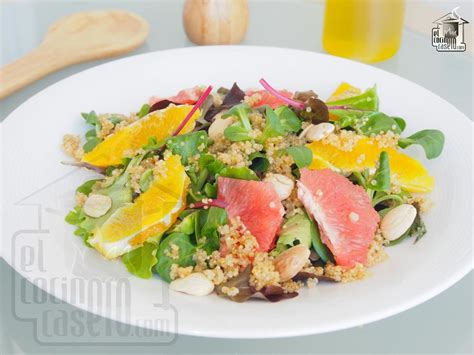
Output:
(73, 39)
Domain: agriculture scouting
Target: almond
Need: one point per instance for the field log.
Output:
(282, 184)
(397, 221)
(219, 124)
(291, 261)
(97, 205)
(195, 284)
(319, 131)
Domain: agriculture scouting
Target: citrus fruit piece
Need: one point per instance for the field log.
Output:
(267, 98)
(406, 171)
(152, 213)
(258, 206)
(159, 124)
(346, 219)
(186, 96)
(344, 91)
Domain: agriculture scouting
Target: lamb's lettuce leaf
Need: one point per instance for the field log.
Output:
(431, 140)
(302, 156)
(381, 179)
(279, 122)
(242, 173)
(368, 100)
(240, 130)
(377, 122)
(188, 145)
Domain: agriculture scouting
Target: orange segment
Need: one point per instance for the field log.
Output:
(344, 91)
(152, 213)
(409, 173)
(159, 124)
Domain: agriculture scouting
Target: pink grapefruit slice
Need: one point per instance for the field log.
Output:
(346, 219)
(266, 98)
(258, 206)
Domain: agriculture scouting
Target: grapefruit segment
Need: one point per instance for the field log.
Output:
(266, 98)
(258, 206)
(186, 96)
(346, 218)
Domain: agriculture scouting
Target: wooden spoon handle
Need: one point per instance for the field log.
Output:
(36, 64)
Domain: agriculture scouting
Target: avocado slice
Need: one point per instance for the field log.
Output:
(295, 231)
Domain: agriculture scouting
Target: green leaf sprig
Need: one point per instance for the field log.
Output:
(240, 130)
(140, 261)
(431, 140)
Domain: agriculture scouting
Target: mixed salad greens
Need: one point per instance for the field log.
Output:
(174, 218)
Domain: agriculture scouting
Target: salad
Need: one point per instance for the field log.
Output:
(251, 193)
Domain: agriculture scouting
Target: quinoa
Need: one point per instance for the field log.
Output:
(291, 286)
(376, 252)
(158, 167)
(387, 139)
(263, 272)
(234, 154)
(343, 140)
(173, 252)
(238, 242)
(135, 175)
(341, 274)
(72, 146)
(253, 99)
(311, 282)
(257, 121)
(280, 163)
(423, 202)
(239, 250)
(177, 272)
(106, 127)
(230, 291)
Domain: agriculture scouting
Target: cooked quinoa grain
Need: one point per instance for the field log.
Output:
(72, 146)
(263, 272)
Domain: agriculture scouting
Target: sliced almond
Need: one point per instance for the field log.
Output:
(97, 205)
(282, 184)
(219, 124)
(397, 221)
(195, 284)
(291, 261)
(320, 131)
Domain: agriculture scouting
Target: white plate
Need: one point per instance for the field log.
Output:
(38, 191)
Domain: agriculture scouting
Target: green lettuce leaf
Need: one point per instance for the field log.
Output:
(140, 261)
(431, 140)
(239, 131)
(185, 256)
(243, 173)
(207, 222)
(301, 155)
(377, 122)
(368, 100)
(381, 179)
(188, 145)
